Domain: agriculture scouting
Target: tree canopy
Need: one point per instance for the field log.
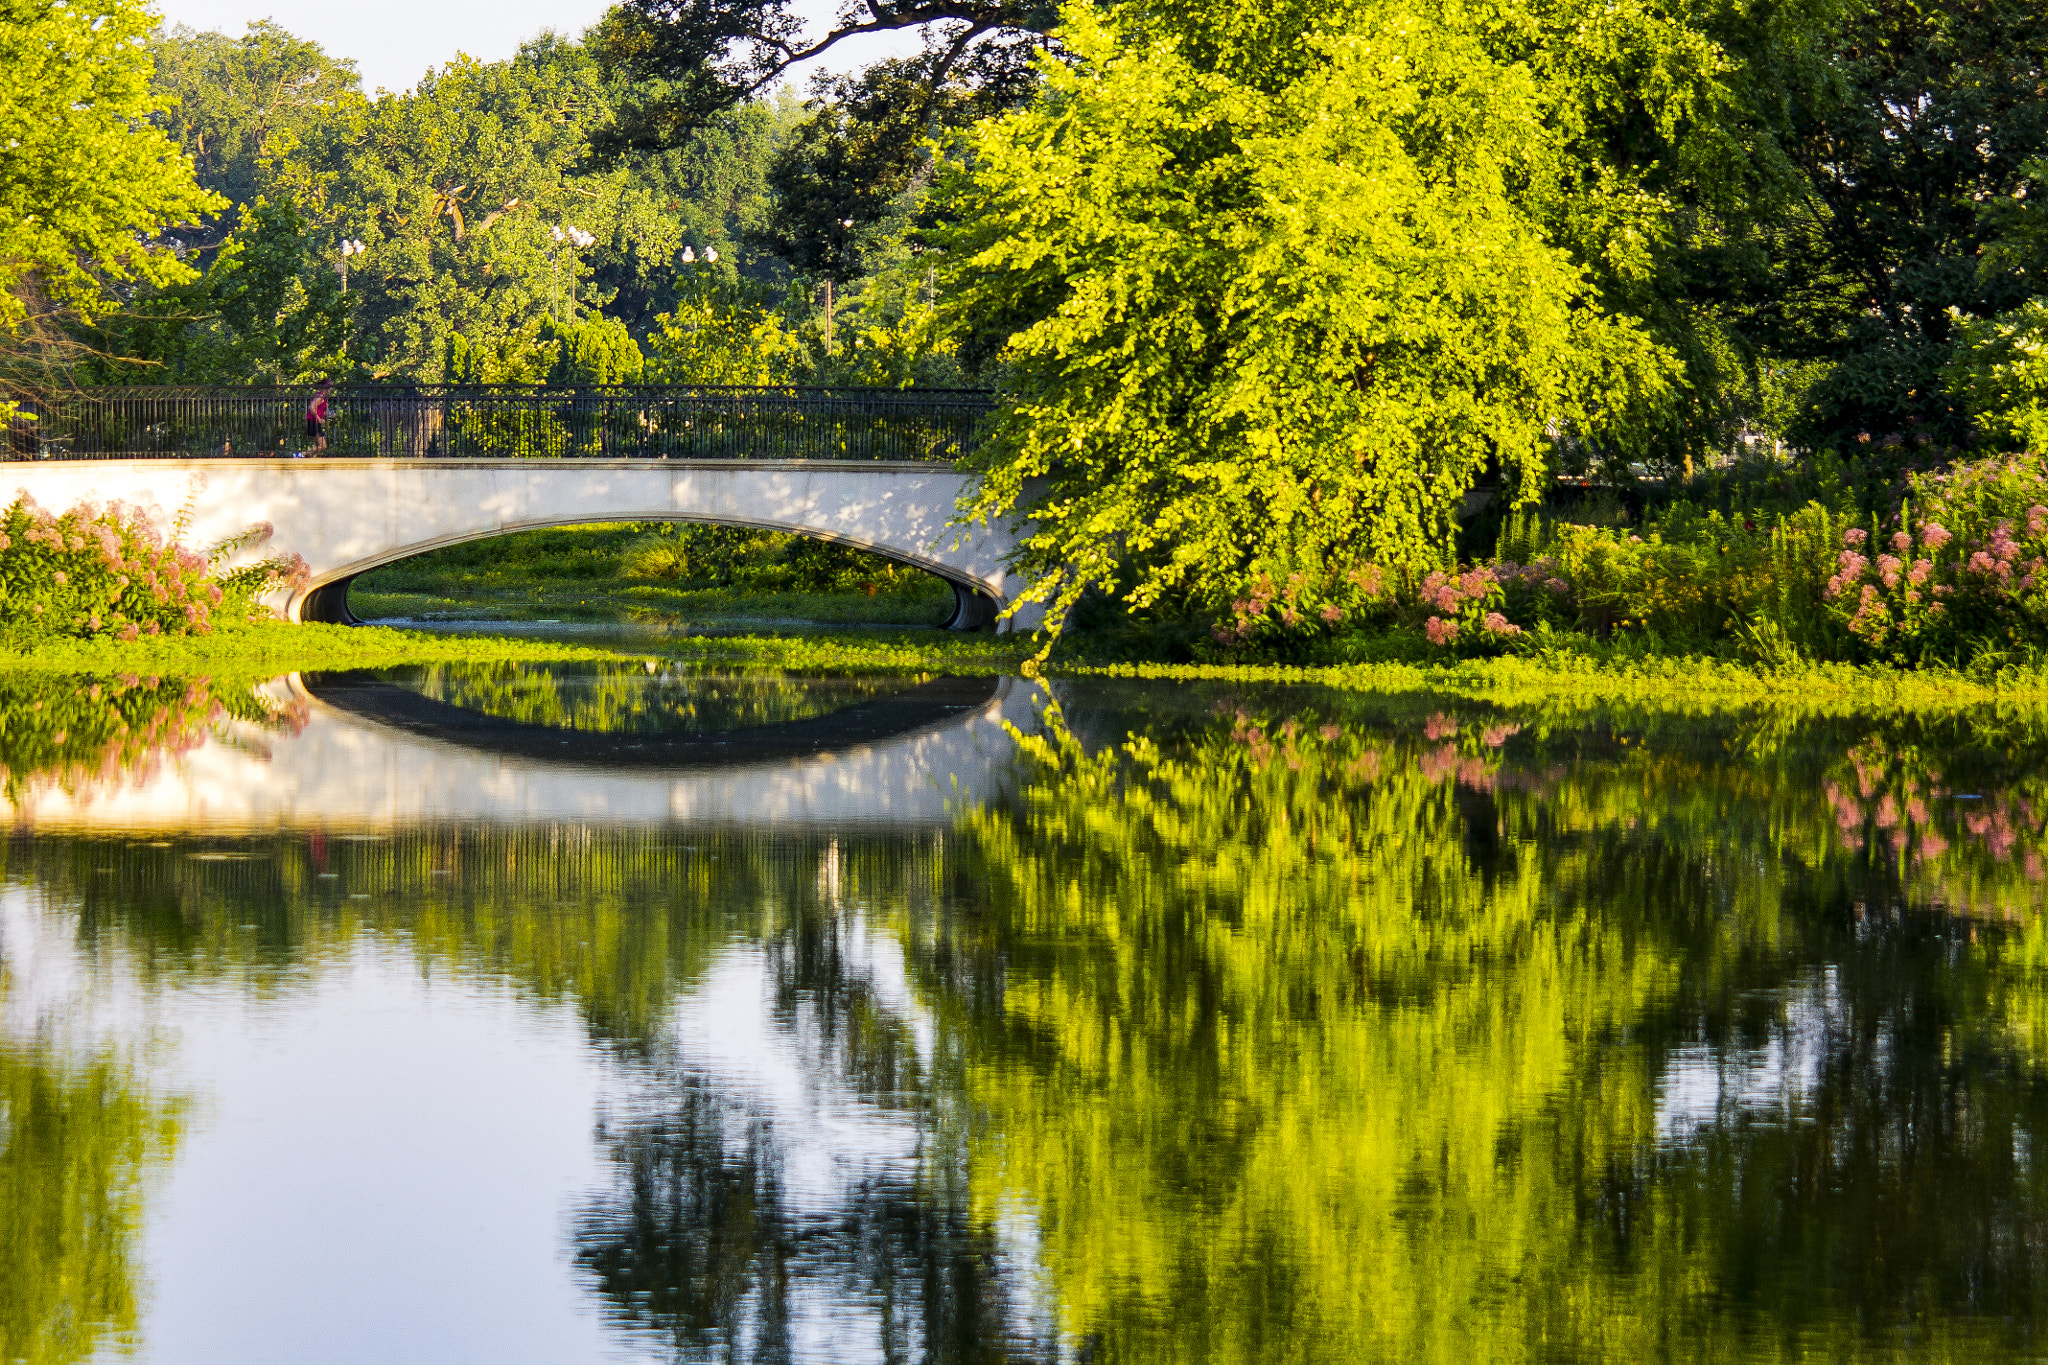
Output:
(1274, 308)
(87, 185)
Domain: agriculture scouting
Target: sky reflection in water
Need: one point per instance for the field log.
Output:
(1110, 1021)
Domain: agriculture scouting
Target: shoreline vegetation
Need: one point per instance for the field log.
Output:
(265, 649)
(725, 598)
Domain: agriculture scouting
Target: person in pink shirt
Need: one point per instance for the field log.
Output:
(316, 416)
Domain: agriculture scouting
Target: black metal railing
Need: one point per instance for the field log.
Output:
(502, 421)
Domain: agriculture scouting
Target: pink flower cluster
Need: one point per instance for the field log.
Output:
(90, 570)
(1447, 592)
(1295, 601)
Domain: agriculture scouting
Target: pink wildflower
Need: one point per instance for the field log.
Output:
(1934, 535)
(1919, 572)
(1855, 535)
(2037, 520)
(1889, 566)
(1902, 542)
(1332, 613)
(61, 577)
(1496, 624)
(1440, 631)
(1366, 578)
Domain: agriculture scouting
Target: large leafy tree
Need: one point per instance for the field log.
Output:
(267, 310)
(464, 192)
(87, 185)
(238, 105)
(691, 59)
(844, 176)
(1887, 128)
(1269, 293)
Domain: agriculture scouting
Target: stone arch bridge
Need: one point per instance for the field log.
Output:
(347, 516)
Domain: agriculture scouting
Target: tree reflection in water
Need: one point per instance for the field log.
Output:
(80, 1136)
(1294, 1026)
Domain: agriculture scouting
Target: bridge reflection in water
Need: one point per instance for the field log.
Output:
(372, 755)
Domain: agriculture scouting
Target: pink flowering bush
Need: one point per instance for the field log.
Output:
(92, 571)
(1955, 573)
(1962, 569)
(1303, 605)
(1473, 608)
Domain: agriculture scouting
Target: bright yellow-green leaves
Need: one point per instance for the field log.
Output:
(2000, 372)
(85, 184)
(1286, 325)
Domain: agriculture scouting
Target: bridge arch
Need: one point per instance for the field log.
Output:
(348, 516)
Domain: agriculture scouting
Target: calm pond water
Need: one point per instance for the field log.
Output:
(646, 1013)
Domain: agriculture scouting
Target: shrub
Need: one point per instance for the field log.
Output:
(1962, 570)
(1956, 573)
(2000, 372)
(93, 571)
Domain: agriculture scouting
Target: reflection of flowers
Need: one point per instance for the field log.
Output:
(116, 731)
(1933, 831)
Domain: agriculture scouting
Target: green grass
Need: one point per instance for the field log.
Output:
(657, 605)
(267, 648)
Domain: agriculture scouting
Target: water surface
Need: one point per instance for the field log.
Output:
(1011, 1022)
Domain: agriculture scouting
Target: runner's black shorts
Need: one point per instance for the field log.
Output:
(313, 426)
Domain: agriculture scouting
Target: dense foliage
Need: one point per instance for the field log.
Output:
(1268, 293)
(111, 571)
(1263, 315)
(86, 183)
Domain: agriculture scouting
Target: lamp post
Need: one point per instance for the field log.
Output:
(349, 247)
(577, 239)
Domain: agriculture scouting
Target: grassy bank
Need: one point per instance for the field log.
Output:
(669, 607)
(268, 648)
(677, 578)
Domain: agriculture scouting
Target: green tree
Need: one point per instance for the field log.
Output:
(1278, 320)
(87, 185)
(597, 351)
(1998, 372)
(1883, 129)
(267, 310)
(238, 105)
